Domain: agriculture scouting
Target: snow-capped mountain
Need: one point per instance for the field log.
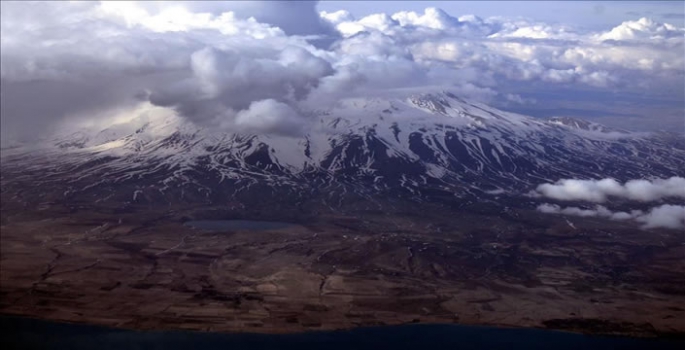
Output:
(420, 148)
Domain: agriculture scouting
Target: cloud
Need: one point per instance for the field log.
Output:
(555, 209)
(666, 216)
(226, 81)
(669, 216)
(525, 51)
(215, 61)
(644, 28)
(206, 66)
(293, 18)
(270, 116)
(516, 98)
(600, 190)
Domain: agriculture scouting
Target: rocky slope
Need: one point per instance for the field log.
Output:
(431, 147)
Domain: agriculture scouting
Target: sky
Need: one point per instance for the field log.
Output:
(260, 66)
(596, 15)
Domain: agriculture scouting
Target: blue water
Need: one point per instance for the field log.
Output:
(23, 333)
(228, 225)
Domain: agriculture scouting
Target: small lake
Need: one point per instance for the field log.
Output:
(230, 225)
(24, 333)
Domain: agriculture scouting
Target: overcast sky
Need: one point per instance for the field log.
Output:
(230, 64)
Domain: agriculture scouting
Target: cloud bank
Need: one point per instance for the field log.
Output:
(224, 64)
(664, 216)
(601, 190)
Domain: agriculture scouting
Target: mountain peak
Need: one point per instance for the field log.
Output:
(414, 145)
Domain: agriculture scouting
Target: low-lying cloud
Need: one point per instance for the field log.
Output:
(599, 191)
(664, 216)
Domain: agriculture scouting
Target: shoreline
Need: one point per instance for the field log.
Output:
(276, 331)
(31, 333)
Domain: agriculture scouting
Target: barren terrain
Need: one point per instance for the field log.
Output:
(144, 269)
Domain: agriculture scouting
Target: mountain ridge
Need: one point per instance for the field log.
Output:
(419, 147)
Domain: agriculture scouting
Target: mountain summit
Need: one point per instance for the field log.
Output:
(420, 147)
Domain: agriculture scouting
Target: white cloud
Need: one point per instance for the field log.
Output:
(516, 98)
(211, 60)
(523, 29)
(178, 19)
(269, 116)
(207, 66)
(521, 50)
(599, 210)
(600, 190)
(431, 18)
(293, 18)
(666, 216)
(337, 16)
(643, 28)
(669, 216)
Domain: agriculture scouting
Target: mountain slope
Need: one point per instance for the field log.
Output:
(430, 147)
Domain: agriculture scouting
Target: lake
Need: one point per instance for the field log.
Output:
(229, 225)
(24, 333)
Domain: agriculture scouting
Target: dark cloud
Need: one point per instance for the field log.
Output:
(225, 82)
(29, 108)
(206, 75)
